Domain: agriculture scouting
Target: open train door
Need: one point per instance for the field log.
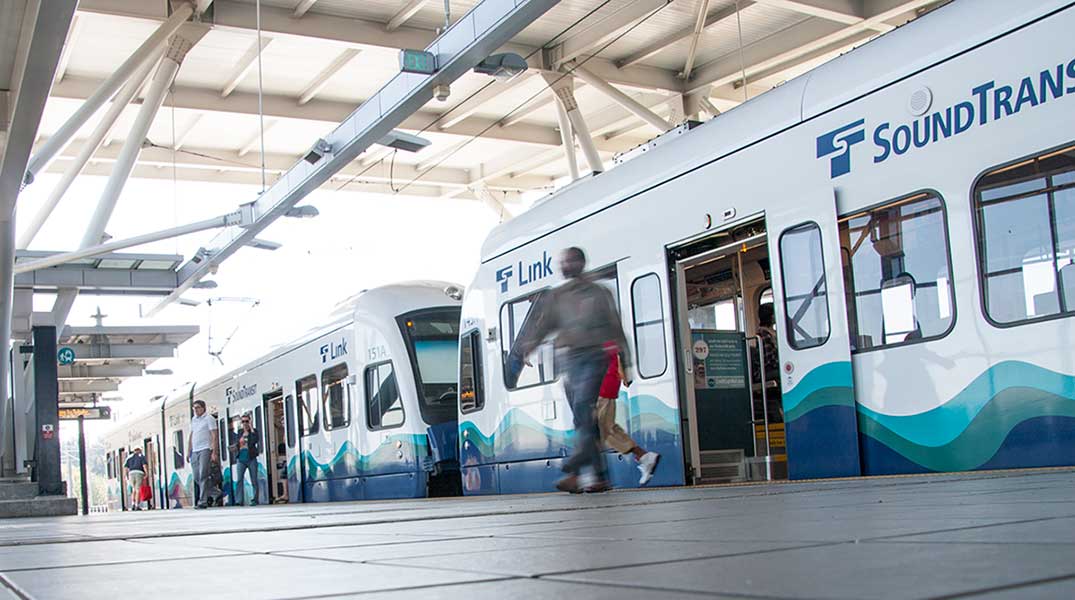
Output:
(815, 354)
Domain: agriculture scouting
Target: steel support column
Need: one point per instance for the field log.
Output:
(89, 147)
(567, 135)
(47, 422)
(630, 104)
(143, 54)
(563, 87)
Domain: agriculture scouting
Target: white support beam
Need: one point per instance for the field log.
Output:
(431, 161)
(699, 25)
(255, 140)
(302, 8)
(405, 12)
(83, 386)
(627, 102)
(490, 200)
(245, 64)
(505, 167)
(567, 134)
(602, 29)
(535, 104)
(116, 370)
(314, 87)
(374, 155)
(848, 12)
(65, 57)
(181, 139)
(475, 101)
(666, 42)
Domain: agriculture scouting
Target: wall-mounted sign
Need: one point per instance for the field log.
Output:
(65, 356)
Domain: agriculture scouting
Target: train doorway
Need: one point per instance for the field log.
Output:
(275, 447)
(728, 357)
(149, 448)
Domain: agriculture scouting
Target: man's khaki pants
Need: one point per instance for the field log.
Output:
(611, 433)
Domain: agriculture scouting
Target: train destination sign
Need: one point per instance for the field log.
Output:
(91, 413)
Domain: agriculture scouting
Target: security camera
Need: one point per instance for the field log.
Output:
(441, 92)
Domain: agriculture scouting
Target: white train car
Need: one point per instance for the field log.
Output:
(907, 211)
(145, 432)
(362, 408)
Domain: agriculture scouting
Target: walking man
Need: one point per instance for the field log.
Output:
(136, 474)
(247, 447)
(582, 316)
(204, 448)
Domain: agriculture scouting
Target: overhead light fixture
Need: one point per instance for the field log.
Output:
(263, 244)
(320, 149)
(403, 141)
(442, 91)
(419, 62)
(206, 284)
(189, 302)
(158, 372)
(505, 66)
(302, 212)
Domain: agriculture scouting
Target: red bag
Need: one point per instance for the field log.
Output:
(145, 494)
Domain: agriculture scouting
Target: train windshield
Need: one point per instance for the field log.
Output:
(432, 338)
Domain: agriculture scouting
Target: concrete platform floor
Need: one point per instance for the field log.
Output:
(986, 535)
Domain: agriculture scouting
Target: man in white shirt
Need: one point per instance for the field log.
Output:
(204, 448)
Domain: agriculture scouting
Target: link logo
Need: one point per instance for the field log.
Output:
(503, 277)
(840, 141)
(333, 351)
(522, 273)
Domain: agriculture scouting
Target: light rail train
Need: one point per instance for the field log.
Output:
(362, 408)
(906, 210)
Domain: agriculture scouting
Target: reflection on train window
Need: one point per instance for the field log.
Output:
(899, 285)
(806, 310)
(1025, 221)
(722, 315)
(306, 392)
(432, 338)
(289, 410)
(649, 325)
(513, 317)
(108, 465)
(471, 395)
(337, 396)
(178, 456)
(384, 405)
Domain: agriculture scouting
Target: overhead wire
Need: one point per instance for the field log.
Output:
(567, 73)
(742, 60)
(261, 100)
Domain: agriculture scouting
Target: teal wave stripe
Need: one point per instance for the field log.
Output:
(979, 440)
(944, 424)
(520, 429)
(362, 462)
(827, 385)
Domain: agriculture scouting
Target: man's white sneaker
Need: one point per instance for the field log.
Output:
(647, 465)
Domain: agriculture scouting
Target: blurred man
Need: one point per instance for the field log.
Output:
(582, 316)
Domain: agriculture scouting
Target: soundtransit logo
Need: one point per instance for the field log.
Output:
(841, 141)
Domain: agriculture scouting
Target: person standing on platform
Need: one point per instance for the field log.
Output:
(204, 448)
(582, 316)
(611, 433)
(136, 473)
(246, 449)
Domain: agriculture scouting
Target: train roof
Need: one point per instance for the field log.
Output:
(946, 32)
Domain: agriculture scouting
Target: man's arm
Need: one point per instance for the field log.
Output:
(214, 440)
(539, 323)
(190, 442)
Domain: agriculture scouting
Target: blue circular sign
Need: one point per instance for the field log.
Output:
(66, 356)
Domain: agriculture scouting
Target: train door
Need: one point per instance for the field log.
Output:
(227, 461)
(729, 375)
(307, 403)
(149, 450)
(121, 475)
(294, 467)
(275, 448)
(817, 387)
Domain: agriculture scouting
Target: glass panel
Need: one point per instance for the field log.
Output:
(289, 417)
(471, 397)
(512, 320)
(179, 458)
(385, 407)
(1027, 244)
(336, 396)
(433, 344)
(720, 315)
(898, 282)
(806, 311)
(649, 325)
(306, 392)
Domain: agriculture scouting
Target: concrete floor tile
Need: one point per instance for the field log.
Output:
(1049, 531)
(867, 570)
(530, 589)
(1055, 590)
(38, 556)
(278, 541)
(535, 561)
(251, 577)
(437, 549)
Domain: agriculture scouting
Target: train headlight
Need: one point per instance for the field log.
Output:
(453, 292)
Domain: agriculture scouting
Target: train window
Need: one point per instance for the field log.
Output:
(806, 310)
(649, 325)
(336, 395)
(306, 392)
(1025, 225)
(179, 458)
(108, 464)
(513, 317)
(385, 406)
(471, 395)
(899, 282)
(289, 412)
(432, 337)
